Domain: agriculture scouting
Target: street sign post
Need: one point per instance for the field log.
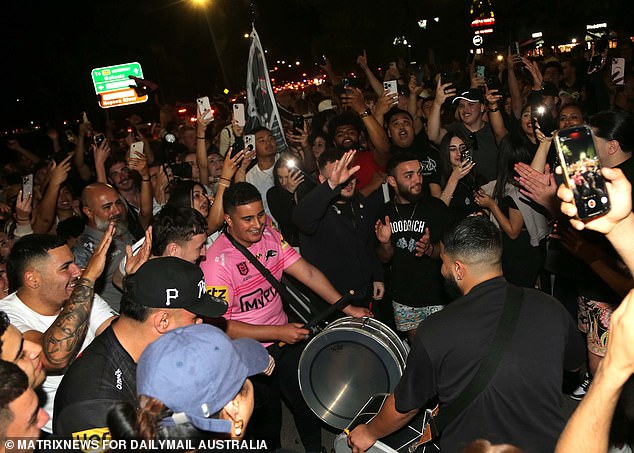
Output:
(114, 85)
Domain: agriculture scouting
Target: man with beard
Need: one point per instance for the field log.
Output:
(345, 131)
(335, 224)
(102, 204)
(400, 130)
(521, 404)
(409, 230)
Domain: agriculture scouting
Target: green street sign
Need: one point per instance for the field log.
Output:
(114, 78)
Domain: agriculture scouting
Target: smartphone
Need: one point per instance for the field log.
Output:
(298, 124)
(136, 151)
(542, 115)
(598, 59)
(99, 138)
(346, 83)
(470, 58)
(238, 114)
(466, 155)
(27, 186)
(618, 71)
(580, 162)
(446, 77)
(204, 107)
(515, 48)
(70, 136)
(391, 86)
(249, 142)
(480, 71)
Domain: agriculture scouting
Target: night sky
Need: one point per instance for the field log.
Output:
(49, 48)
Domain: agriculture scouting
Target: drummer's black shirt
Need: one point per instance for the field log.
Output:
(415, 281)
(103, 375)
(522, 403)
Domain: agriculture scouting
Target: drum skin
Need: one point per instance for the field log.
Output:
(347, 363)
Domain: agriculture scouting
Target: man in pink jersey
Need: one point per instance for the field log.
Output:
(256, 311)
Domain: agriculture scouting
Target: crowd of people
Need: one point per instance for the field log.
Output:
(140, 291)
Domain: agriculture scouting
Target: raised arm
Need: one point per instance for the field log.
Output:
(44, 215)
(376, 132)
(62, 341)
(201, 146)
(79, 158)
(377, 86)
(215, 219)
(101, 153)
(514, 86)
(435, 132)
(147, 192)
(495, 115)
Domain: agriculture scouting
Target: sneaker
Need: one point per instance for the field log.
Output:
(580, 392)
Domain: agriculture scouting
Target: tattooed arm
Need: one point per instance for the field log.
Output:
(62, 341)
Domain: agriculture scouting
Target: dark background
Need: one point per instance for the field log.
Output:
(49, 48)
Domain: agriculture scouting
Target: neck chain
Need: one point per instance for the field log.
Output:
(399, 214)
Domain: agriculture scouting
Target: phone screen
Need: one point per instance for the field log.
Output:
(298, 124)
(27, 186)
(582, 175)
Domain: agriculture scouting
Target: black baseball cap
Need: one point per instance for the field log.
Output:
(169, 282)
(472, 95)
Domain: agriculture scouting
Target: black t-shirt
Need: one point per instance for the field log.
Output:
(416, 281)
(521, 405)
(103, 375)
(427, 154)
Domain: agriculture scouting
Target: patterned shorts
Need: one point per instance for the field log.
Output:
(408, 318)
(593, 319)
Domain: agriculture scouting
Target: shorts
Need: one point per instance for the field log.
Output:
(593, 319)
(408, 318)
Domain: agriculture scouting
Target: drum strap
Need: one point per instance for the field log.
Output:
(292, 301)
(489, 364)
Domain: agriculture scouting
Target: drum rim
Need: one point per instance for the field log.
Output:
(382, 336)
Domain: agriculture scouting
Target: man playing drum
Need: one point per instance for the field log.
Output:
(256, 311)
(521, 404)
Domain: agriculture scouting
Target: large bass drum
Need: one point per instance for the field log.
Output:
(348, 362)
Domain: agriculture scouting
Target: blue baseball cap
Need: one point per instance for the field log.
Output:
(195, 371)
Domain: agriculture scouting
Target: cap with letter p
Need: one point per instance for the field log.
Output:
(169, 282)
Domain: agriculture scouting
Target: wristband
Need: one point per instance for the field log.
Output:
(200, 138)
(23, 220)
(145, 180)
(224, 179)
(494, 110)
(223, 184)
(365, 114)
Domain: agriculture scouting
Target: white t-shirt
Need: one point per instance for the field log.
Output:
(263, 180)
(25, 319)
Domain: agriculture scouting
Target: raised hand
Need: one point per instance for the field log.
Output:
(383, 230)
(424, 245)
(97, 261)
(342, 171)
(444, 92)
(620, 193)
(134, 262)
(59, 172)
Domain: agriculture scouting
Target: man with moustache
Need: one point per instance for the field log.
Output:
(521, 404)
(336, 228)
(102, 204)
(409, 230)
